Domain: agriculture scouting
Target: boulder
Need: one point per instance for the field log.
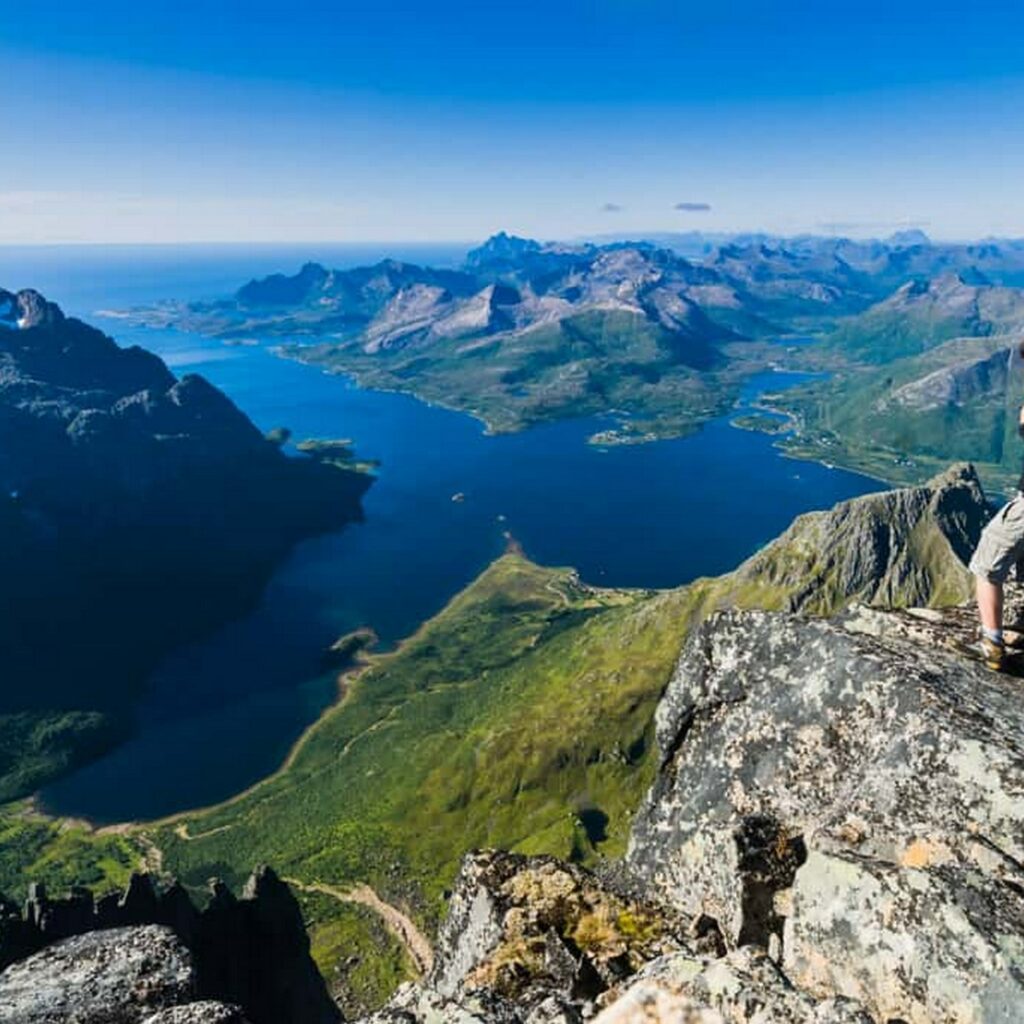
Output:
(531, 940)
(530, 928)
(252, 952)
(744, 987)
(114, 976)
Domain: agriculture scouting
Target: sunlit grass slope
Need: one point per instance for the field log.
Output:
(517, 717)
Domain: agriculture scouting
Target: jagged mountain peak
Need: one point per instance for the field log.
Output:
(26, 309)
(501, 247)
(908, 238)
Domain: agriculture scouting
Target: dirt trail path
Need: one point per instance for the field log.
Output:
(403, 929)
(182, 832)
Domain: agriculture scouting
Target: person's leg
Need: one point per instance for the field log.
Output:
(1000, 547)
(990, 606)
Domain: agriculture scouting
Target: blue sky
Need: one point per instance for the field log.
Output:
(152, 121)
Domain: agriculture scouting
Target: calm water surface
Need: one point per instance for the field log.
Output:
(223, 713)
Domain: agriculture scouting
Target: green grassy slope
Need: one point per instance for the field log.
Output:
(881, 334)
(518, 709)
(60, 854)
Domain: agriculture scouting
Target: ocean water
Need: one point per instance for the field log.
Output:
(222, 713)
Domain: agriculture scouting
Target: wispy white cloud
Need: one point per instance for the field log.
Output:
(690, 207)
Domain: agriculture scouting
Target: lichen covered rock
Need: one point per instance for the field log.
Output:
(204, 1012)
(744, 987)
(532, 940)
(852, 803)
(524, 927)
(116, 976)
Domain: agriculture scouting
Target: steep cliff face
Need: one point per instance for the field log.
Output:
(136, 510)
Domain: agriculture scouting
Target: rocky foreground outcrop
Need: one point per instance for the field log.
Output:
(119, 959)
(835, 832)
(137, 510)
(118, 976)
(850, 797)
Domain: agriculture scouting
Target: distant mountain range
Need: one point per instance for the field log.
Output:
(525, 331)
(137, 510)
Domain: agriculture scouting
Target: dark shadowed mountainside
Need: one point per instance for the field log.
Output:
(137, 510)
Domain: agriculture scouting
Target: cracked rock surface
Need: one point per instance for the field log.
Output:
(850, 797)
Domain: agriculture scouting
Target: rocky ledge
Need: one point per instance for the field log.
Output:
(835, 834)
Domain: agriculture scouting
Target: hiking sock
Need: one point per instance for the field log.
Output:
(995, 635)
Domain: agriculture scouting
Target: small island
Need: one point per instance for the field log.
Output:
(336, 452)
(763, 422)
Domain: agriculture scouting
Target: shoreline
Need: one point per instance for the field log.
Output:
(346, 682)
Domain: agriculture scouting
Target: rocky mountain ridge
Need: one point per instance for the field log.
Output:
(509, 285)
(657, 333)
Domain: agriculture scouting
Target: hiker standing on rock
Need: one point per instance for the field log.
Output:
(1000, 548)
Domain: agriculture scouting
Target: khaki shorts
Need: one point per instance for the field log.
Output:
(1002, 543)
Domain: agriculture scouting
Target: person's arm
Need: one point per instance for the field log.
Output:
(1020, 421)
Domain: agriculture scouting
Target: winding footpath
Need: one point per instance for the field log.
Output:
(399, 924)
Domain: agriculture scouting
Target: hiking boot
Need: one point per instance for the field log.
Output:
(993, 654)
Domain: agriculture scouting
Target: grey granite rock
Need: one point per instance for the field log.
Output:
(744, 987)
(853, 804)
(252, 951)
(115, 976)
(532, 940)
(203, 1012)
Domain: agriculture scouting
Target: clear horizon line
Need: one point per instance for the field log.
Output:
(638, 234)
